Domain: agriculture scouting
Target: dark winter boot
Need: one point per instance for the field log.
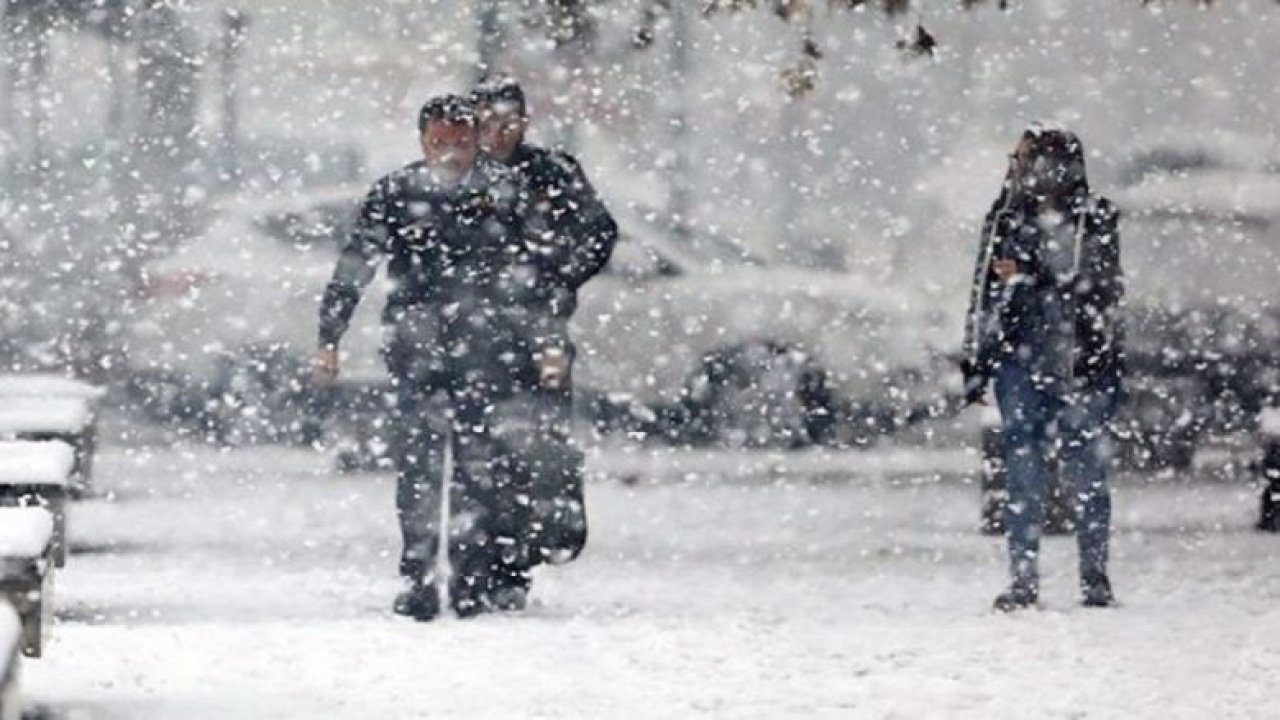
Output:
(509, 598)
(1019, 596)
(1096, 590)
(1269, 510)
(508, 589)
(559, 510)
(467, 596)
(418, 600)
(1269, 504)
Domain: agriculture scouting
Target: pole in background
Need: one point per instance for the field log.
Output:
(488, 38)
(7, 93)
(679, 200)
(28, 65)
(23, 116)
(118, 121)
(40, 91)
(235, 27)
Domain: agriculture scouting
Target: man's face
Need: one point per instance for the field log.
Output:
(450, 149)
(502, 127)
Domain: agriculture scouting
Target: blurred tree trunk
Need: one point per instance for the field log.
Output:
(680, 203)
(26, 55)
(7, 94)
(489, 38)
(235, 26)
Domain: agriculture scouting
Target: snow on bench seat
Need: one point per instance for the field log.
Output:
(54, 418)
(38, 473)
(25, 533)
(35, 462)
(25, 415)
(10, 647)
(47, 385)
(26, 575)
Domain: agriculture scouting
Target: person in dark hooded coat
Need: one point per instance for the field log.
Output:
(1044, 326)
(573, 236)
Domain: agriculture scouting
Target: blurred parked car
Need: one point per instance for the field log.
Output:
(224, 327)
(1201, 229)
(712, 343)
(728, 349)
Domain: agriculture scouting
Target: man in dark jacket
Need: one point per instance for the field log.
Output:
(574, 235)
(577, 232)
(451, 229)
(1044, 324)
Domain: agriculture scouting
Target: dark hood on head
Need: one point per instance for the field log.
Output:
(1064, 146)
(1053, 142)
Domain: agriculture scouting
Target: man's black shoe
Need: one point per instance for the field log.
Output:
(501, 593)
(1097, 592)
(467, 607)
(1017, 597)
(509, 598)
(419, 601)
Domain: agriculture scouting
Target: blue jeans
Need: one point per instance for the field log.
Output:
(1039, 426)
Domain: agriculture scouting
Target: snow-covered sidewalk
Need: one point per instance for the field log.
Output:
(257, 584)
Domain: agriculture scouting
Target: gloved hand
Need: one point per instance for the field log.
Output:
(975, 382)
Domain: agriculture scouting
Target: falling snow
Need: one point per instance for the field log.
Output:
(795, 507)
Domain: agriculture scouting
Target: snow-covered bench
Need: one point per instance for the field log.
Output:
(10, 651)
(26, 571)
(37, 473)
(47, 385)
(1269, 434)
(52, 407)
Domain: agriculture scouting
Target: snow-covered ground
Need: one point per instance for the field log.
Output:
(257, 584)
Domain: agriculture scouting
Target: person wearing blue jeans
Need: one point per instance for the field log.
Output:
(1040, 426)
(1044, 325)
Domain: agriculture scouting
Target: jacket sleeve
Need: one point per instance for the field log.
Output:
(588, 232)
(981, 296)
(357, 265)
(1110, 271)
(1101, 295)
(508, 205)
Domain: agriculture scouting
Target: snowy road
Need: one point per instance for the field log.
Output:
(256, 584)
